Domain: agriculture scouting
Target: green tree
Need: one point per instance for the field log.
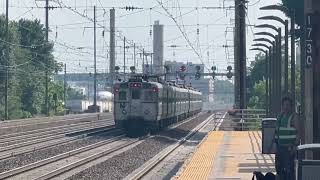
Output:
(30, 57)
(258, 96)
(256, 72)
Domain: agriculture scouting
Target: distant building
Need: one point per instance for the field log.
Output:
(157, 48)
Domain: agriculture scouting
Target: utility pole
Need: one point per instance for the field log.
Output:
(293, 57)
(312, 72)
(271, 57)
(134, 54)
(151, 60)
(267, 80)
(242, 52)
(95, 60)
(279, 74)
(236, 58)
(112, 47)
(47, 69)
(65, 86)
(286, 58)
(143, 60)
(124, 57)
(6, 114)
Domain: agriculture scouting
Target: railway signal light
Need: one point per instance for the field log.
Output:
(198, 73)
(167, 68)
(183, 68)
(117, 68)
(198, 68)
(132, 69)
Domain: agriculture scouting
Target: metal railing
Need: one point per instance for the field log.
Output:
(244, 119)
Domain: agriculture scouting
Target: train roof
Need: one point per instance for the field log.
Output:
(158, 80)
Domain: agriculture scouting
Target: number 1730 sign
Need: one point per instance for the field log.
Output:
(309, 40)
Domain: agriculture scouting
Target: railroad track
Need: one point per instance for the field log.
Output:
(144, 170)
(43, 120)
(27, 128)
(55, 131)
(31, 146)
(69, 162)
(66, 161)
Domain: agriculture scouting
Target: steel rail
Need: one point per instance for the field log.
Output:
(41, 130)
(53, 119)
(85, 160)
(37, 141)
(52, 131)
(85, 119)
(37, 164)
(151, 164)
(63, 141)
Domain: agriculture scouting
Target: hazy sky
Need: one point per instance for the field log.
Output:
(72, 33)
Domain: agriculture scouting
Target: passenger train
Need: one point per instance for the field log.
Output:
(142, 106)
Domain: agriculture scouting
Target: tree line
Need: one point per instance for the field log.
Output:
(30, 57)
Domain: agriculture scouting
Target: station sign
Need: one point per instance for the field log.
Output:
(310, 39)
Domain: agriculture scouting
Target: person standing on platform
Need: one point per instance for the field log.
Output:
(288, 135)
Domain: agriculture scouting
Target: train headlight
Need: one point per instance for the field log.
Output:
(124, 112)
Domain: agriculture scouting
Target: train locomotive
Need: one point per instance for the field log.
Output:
(142, 106)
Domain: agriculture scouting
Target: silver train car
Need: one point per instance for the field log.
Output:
(141, 106)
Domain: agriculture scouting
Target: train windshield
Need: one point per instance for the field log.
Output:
(135, 93)
(122, 95)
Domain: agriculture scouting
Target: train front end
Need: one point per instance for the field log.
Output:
(136, 106)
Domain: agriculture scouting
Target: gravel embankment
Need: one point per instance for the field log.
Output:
(27, 158)
(123, 164)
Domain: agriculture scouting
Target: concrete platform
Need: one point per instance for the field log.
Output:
(227, 155)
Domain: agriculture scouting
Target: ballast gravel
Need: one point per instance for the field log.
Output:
(121, 165)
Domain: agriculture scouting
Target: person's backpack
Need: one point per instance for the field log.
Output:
(260, 176)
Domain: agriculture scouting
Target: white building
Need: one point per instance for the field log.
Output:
(157, 48)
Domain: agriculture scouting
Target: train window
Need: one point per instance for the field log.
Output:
(124, 85)
(135, 93)
(146, 86)
(122, 95)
